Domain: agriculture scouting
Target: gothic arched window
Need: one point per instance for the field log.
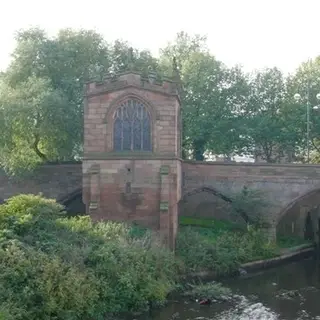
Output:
(131, 127)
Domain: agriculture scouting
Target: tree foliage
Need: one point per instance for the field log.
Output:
(306, 82)
(35, 126)
(212, 94)
(225, 111)
(41, 99)
(264, 122)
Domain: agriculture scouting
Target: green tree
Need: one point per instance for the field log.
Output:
(142, 61)
(266, 136)
(42, 95)
(181, 48)
(227, 136)
(34, 125)
(68, 60)
(212, 95)
(306, 82)
(41, 101)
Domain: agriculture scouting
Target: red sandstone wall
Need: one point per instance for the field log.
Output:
(107, 173)
(143, 204)
(98, 121)
(290, 190)
(199, 172)
(54, 181)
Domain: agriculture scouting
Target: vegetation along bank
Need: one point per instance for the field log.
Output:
(57, 267)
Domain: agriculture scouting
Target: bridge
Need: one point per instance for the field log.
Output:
(291, 190)
(61, 182)
(138, 175)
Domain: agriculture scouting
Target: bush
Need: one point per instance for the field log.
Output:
(40, 286)
(195, 250)
(54, 267)
(70, 268)
(210, 290)
(224, 252)
(251, 203)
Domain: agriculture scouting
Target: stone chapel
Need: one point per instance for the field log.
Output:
(132, 151)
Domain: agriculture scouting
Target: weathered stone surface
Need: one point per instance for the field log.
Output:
(291, 190)
(54, 181)
(130, 185)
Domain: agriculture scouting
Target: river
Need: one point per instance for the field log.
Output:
(289, 292)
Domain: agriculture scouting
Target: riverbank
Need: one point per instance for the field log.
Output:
(288, 292)
(286, 256)
(220, 248)
(70, 268)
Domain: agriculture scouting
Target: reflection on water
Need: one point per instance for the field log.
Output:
(290, 292)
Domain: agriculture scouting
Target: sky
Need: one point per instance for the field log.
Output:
(252, 33)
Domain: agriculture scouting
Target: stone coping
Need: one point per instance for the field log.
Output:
(250, 164)
(191, 162)
(210, 163)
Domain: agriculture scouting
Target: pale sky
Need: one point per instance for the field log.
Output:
(253, 33)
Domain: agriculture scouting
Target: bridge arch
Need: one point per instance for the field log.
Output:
(73, 202)
(292, 219)
(207, 202)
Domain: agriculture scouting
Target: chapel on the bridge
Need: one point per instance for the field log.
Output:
(132, 151)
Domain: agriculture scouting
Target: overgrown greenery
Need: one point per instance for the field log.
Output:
(218, 246)
(208, 223)
(54, 267)
(251, 203)
(209, 290)
(289, 241)
(58, 268)
(221, 251)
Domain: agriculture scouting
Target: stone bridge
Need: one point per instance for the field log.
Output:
(61, 182)
(291, 190)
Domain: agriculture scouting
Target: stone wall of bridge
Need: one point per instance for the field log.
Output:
(62, 182)
(290, 189)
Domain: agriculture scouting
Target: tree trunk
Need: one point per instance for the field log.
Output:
(41, 155)
(198, 149)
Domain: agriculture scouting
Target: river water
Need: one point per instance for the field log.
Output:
(290, 292)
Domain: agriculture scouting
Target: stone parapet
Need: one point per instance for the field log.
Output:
(131, 79)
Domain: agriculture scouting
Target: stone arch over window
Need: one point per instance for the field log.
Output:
(132, 127)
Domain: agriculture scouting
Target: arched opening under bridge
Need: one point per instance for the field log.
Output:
(209, 203)
(73, 203)
(300, 217)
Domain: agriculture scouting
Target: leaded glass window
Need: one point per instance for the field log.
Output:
(132, 128)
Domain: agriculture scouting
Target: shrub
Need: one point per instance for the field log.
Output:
(210, 290)
(43, 287)
(23, 212)
(195, 250)
(54, 267)
(70, 268)
(224, 252)
(252, 203)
